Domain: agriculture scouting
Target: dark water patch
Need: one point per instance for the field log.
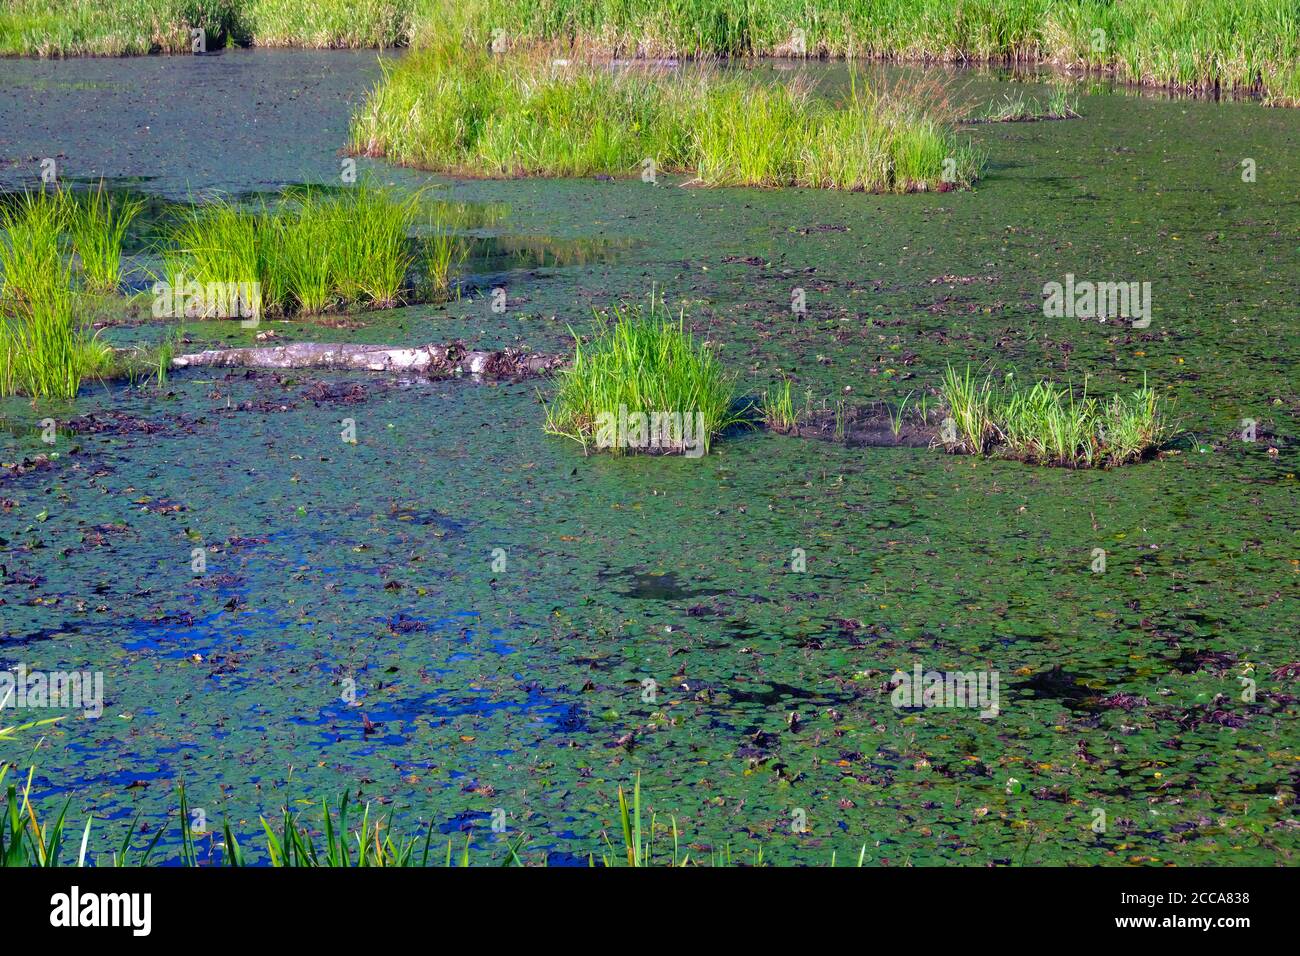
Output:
(1073, 690)
(656, 586)
(271, 117)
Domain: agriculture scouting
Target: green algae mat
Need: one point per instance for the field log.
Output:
(296, 584)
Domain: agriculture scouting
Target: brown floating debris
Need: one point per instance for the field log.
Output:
(435, 360)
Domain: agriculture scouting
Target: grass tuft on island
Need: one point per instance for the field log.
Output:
(1048, 424)
(309, 254)
(466, 111)
(1017, 108)
(642, 384)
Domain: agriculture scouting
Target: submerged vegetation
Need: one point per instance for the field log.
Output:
(642, 383)
(1016, 108)
(466, 111)
(1047, 424)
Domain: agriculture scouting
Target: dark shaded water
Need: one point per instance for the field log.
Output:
(522, 688)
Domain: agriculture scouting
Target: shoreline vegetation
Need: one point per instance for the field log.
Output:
(314, 251)
(634, 836)
(1211, 46)
(463, 110)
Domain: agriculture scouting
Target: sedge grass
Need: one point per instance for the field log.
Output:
(97, 224)
(305, 255)
(43, 352)
(642, 362)
(1188, 44)
(444, 253)
(374, 255)
(214, 244)
(1049, 424)
(328, 24)
(465, 111)
(777, 409)
(299, 255)
(30, 253)
(133, 27)
(41, 348)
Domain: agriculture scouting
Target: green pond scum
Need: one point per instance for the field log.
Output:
(370, 617)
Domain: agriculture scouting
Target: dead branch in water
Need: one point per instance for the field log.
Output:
(433, 360)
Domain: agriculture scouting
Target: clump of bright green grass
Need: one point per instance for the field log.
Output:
(465, 111)
(30, 253)
(42, 355)
(97, 224)
(374, 254)
(300, 256)
(306, 255)
(215, 243)
(1048, 424)
(777, 409)
(444, 252)
(644, 363)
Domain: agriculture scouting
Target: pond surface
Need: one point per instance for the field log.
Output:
(377, 566)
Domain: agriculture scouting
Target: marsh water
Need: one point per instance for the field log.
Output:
(458, 614)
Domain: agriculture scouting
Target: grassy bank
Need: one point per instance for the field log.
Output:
(1230, 44)
(469, 112)
(133, 27)
(1189, 44)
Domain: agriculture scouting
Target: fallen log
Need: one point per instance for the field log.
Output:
(432, 360)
